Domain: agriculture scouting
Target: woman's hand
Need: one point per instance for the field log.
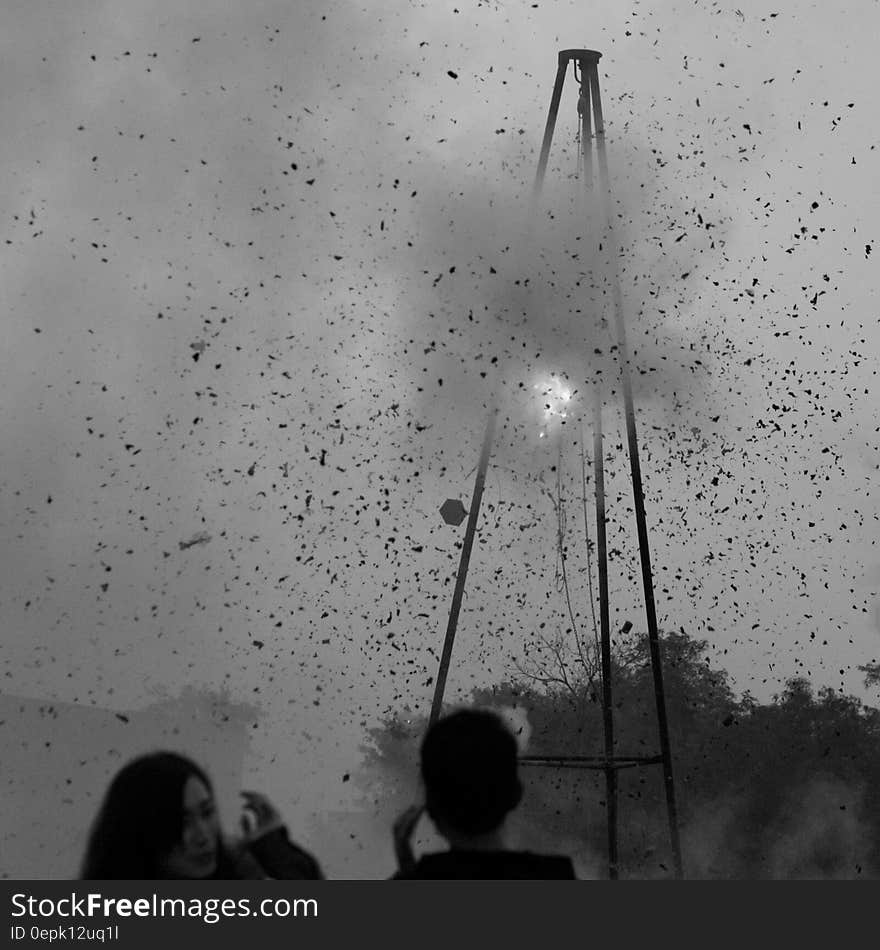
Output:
(403, 829)
(260, 816)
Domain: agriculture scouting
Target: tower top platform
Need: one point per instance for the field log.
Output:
(584, 55)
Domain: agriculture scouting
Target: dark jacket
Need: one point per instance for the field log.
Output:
(490, 865)
(273, 856)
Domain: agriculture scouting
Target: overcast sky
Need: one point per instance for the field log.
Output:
(256, 257)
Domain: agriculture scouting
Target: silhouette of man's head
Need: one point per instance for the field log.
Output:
(469, 768)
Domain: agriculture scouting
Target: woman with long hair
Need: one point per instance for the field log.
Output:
(159, 820)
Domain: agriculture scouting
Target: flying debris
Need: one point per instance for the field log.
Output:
(200, 537)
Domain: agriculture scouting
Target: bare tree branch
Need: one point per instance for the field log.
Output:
(587, 535)
(576, 670)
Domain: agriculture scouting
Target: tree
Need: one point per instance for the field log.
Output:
(788, 788)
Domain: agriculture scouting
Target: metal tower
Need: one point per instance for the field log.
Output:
(591, 128)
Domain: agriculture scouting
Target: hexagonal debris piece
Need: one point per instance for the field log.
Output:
(453, 511)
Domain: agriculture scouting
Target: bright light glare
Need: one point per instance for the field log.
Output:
(555, 398)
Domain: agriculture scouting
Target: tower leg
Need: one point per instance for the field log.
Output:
(549, 127)
(605, 632)
(636, 473)
(461, 576)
